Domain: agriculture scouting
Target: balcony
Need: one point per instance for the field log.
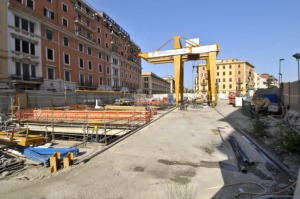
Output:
(89, 15)
(239, 82)
(239, 89)
(85, 35)
(203, 90)
(84, 24)
(203, 84)
(26, 78)
(86, 86)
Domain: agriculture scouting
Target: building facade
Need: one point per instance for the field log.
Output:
(65, 44)
(264, 78)
(171, 81)
(232, 75)
(152, 84)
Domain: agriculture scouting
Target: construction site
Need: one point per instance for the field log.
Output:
(126, 145)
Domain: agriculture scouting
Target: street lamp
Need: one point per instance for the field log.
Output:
(297, 56)
(280, 75)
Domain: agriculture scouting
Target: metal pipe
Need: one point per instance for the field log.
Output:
(238, 157)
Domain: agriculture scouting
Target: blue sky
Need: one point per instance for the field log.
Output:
(258, 31)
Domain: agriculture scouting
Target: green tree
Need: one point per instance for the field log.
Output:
(269, 82)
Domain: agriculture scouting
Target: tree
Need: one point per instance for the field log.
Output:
(269, 82)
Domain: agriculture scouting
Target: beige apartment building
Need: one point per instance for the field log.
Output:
(153, 84)
(65, 44)
(232, 75)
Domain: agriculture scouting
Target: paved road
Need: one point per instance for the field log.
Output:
(183, 150)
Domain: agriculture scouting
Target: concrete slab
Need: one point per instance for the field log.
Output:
(185, 151)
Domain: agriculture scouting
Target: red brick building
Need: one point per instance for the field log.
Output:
(67, 44)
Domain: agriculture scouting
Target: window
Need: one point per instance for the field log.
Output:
(90, 65)
(79, 17)
(90, 80)
(64, 7)
(229, 66)
(50, 1)
(18, 69)
(100, 81)
(81, 63)
(80, 47)
(67, 59)
(67, 76)
(24, 24)
(48, 13)
(217, 67)
(33, 71)
(223, 67)
(239, 66)
(100, 68)
(50, 73)
(107, 58)
(25, 47)
(88, 23)
(239, 72)
(223, 79)
(108, 81)
(115, 61)
(230, 79)
(99, 30)
(107, 70)
(230, 72)
(230, 86)
(223, 73)
(17, 45)
(89, 51)
(217, 73)
(17, 21)
(30, 3)
(99, 55)
(49, 34)
(31, 27)
(50, 54)
(106, 45)
(106, 35)
(32, 49)
(65, 22)
(66, 41)
(98, 40)
(81, 79)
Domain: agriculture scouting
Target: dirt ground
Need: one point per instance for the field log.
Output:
(272, 139)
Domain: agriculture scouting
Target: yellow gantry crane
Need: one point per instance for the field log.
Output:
(193, 51)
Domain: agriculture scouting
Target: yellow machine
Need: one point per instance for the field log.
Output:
(183, 54)
(21, 138)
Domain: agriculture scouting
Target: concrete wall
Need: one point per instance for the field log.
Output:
(290, 95)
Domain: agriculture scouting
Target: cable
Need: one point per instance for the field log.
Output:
(278, 192)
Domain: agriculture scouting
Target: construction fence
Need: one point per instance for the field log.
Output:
(43, 99)
(290, 95)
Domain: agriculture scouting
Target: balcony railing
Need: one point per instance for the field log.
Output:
(239, 82)
(203, 90)
(26, 78)
(84, 35)
(84, 24)
(87, 85)
(203, 84)
(239, 89)
(84, 12)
